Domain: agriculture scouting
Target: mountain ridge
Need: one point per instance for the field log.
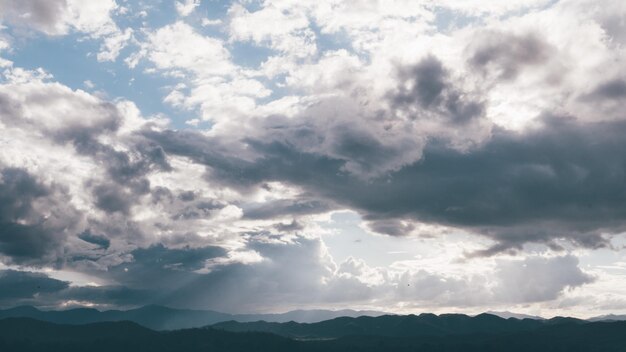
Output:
(166, 318)
(411, 325)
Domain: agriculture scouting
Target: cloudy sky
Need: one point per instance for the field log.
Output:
(261, 156)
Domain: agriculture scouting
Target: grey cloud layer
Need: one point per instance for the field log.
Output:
(432, 91)
(506, 55)
(562, 180)
(299, 274)
(34, 218)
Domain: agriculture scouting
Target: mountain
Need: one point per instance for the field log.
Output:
(609, 317)
(396, 326)
(307, 316)
(154, 317)
(507, 315)
(164, 318)
(28, 335)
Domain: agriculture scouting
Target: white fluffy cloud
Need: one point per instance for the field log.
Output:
(186, 7)
(59, 17)
(177, 47)
(287, 32)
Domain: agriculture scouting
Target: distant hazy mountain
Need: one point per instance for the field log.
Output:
(397, 326)
(307, 316)
(609, 317)
(164, 318)
(449, 333)
(507, 315)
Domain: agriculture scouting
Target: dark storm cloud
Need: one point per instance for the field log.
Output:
(612, 89)
(18, 189)
(128, 169)
(28, 233)
(289, 207)
(188, 259)
(428, 85)
(123, 170)
(112, 198)
(99, 240)
(560, 171)
(292, 226)
(505, 55)
(154, 275)
(24, 285)
(278, 161)
(196, 209)
(559, 181)
(24, 243)
(430, 82)
(391, 227)
(161, 270)
(565, 179)
(187, 196)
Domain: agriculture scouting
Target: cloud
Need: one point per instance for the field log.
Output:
(288, 272)
(34, 218)
(179, 47)
(488, 128)
(111, 198)
(533, 279)
(505, 55)
(288, 33)
(441, 290)
(209, 80)
(60, 17)
(98, 240)
(32, 288)
(614, 89)
(492, 7)
(284, 207)
(18, 285)
(299, 274)
(186, 7)
(431, 91)
(391, 227)
(538, 279)
(554, 182)
(46, 16)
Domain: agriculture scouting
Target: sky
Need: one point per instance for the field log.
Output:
(247, 156)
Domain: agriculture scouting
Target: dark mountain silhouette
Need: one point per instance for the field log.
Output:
(164, 318)
(28, 335)
(397, 326)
